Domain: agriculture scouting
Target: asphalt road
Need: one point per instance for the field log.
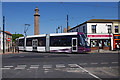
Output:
(60, 65)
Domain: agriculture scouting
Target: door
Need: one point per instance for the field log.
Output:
(74, 44)
(34, 44)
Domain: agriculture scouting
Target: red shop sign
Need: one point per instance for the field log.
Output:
(99, 35)
(8, 39)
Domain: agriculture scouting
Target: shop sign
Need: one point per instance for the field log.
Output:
(8, 39)
(99, 35)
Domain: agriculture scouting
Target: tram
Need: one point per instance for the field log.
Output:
(57, 42)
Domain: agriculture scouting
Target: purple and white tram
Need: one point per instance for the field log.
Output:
(58, 42)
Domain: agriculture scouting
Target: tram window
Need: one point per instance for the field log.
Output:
(74, 42)
(60, 40)
(41, 41)
(29, 42)
(21, 42)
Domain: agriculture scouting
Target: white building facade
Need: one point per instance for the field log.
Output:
(7, 41)
(99, 33)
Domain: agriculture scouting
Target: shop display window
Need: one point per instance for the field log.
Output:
(93, 43)
(106, 43)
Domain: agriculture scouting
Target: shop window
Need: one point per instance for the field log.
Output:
(106, 43)
(93, 43)
(93, 28)
(109, 28)
(116, 29)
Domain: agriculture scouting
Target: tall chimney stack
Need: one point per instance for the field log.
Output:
(36, 24)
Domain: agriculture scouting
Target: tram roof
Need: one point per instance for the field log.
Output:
(59, 34)
(41, 35)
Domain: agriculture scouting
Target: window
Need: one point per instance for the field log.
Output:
(83, 29)
(116, 37)
(93, 43)
(21, 42)
(106, 43)
(116, 29)
(76, 30)
(41, 41)
(93, 28)
(60, 40)
(109, 28)
(29, 42)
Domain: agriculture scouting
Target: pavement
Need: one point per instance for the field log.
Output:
(104, 51)
(51, 65)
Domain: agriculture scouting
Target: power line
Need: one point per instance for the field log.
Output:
(89, 5)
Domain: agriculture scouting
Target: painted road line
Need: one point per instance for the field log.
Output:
(19, 68)
(35, 65)
(73, 65)
(89, 72)
(94, 63)
(60, 65)
(104, 63)
(114, 62)
(8, 66)
(5, 68)
(47, 66)
(83, 63)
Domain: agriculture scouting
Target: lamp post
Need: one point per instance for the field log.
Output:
(3, 34)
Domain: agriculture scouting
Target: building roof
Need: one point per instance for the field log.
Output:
(97, 21)
(6, 32)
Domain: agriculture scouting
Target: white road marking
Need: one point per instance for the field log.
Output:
(8, 66)
(104, 63)
(5, 68)
(83, 63)
(60, 65)
(94, 63)
(19, 68)
(47, 66)
(114, 62)
(73, 65)
(89, 72)
(35, 65)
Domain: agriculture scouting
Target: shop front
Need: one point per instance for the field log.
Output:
(116, 41)
(100, 41)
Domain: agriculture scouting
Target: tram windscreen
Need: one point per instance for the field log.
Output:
(84, 41)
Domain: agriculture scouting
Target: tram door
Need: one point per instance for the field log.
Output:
(74, 44)
(34, 44)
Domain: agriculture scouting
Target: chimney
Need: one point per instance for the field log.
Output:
(36, 22)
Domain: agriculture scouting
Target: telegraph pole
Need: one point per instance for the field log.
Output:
(67, 22)
(3, 34)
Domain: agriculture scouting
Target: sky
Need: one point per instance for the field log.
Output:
(54, 14)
